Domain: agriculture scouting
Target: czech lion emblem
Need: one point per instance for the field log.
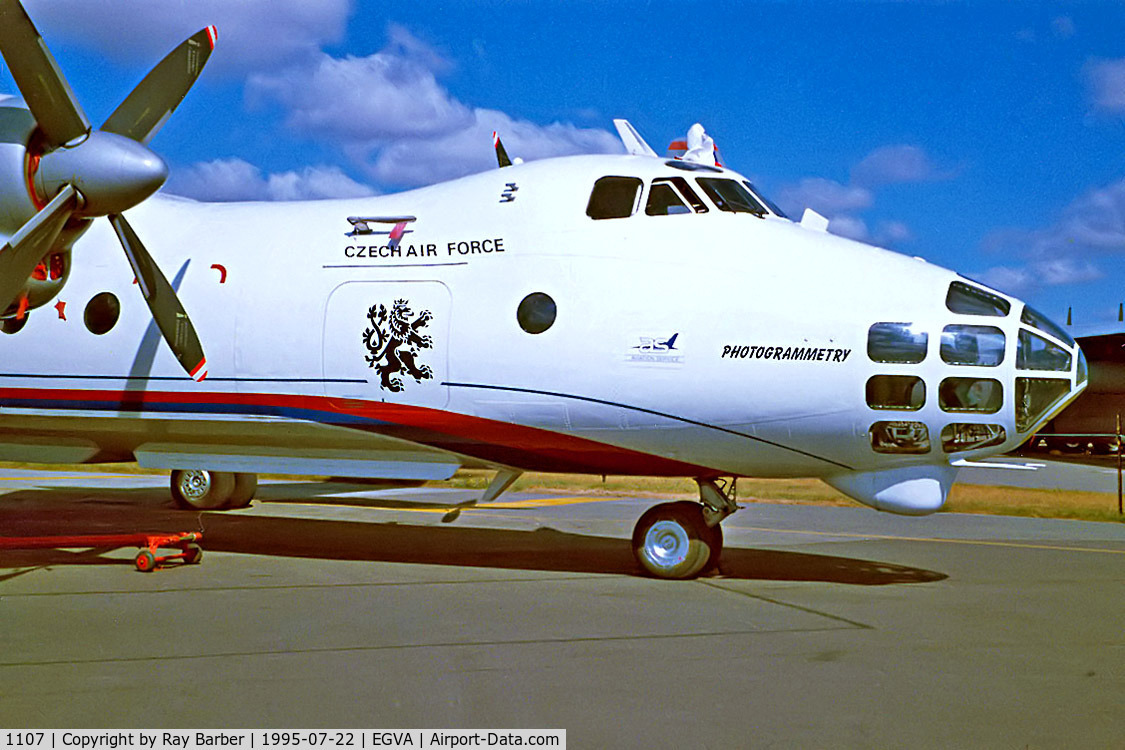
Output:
(394, 343)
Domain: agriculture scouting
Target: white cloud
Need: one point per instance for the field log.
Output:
(890, 233)
(238, 180)
(1093, 223)
(400, 124)
(1068, 251)
(1058, 271)
(826, 197)
(253, 34)
(887, 165)
(849, 226)
(391, 94)
(1010, 280)
(412, 162)
(1106, 81)
(1019, 280)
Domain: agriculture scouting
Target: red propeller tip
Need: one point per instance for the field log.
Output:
(200, 371)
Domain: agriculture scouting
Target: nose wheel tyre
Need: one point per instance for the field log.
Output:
(672, 540)
(199, 489)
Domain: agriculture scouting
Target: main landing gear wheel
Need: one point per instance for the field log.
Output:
(672, 540)
(245, 485)
(199, 489)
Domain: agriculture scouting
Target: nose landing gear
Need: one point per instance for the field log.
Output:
(683, 539)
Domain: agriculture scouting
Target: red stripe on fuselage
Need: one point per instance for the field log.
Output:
(527, 448)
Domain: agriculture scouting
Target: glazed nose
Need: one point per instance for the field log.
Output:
(1050, 370)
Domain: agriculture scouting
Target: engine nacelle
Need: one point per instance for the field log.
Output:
(19, 202)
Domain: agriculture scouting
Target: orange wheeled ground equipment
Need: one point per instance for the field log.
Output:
(187, 542)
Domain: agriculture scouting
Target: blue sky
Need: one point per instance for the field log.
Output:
(987, 137)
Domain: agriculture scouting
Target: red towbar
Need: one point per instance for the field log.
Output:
(147, 559)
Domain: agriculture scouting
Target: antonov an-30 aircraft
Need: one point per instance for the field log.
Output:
(630, 315)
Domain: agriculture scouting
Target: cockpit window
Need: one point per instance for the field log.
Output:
(1037, 353)
(972, 345)
(971, 300)
(667, 196)
(728, 195)
(614, 198)
(1036, 319)
(762, 197)
(896, 342)
(663, 201)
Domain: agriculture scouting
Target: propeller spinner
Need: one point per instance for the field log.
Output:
(85, 173)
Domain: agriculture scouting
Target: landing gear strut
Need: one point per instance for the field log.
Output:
(199, 489)
(683, 539)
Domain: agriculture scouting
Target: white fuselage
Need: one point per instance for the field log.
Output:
(767, 373)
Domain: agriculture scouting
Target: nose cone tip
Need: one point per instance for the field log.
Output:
(142, 172)
(150, 173)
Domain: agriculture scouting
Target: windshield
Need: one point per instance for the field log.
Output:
(728, 195)
(762, 197)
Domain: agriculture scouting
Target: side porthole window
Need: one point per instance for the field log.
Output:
(972, 345)
(896, 342)
(969, 300)
(900, 437)
(536, 312)
(983, 395)
(966, 437)
(896, 392)
(102, 313)
(614, 198)
(13, 325)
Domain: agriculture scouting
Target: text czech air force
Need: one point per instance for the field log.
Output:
(458, 249)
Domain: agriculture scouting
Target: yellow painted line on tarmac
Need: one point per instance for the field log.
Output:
(977, 542)
(545, 502)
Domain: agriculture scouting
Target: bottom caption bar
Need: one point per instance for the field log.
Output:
(265, 739)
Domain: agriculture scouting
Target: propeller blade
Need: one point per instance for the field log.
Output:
(22, 253)
(48, 95)
(154, 99)
(167, 311)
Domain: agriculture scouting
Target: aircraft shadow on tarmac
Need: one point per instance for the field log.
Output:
(94, 510)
